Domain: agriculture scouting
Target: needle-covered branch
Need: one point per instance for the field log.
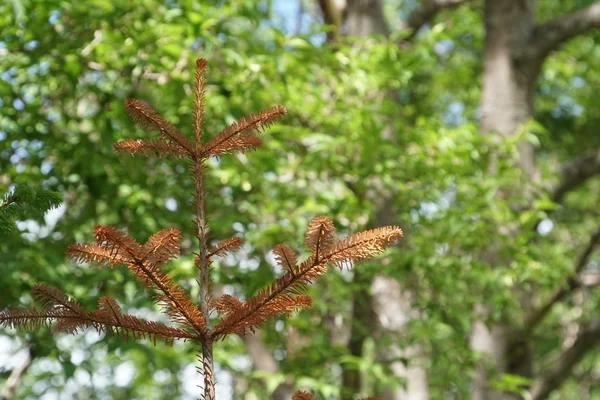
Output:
(243, 135)
(224, 247)
(147, 118)
(285, 293)
(115, 246)
(25, 202)
(70, 317)
(149, 147)
(199, 93)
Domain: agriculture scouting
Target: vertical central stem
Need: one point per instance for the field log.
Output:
(203, 265)
(208, 367)
(202, 261)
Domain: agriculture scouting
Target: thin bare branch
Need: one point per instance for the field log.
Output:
(550, 35)
(586, 340)
(202, 261)
(426, 11)
(573, 282)
(576, 172)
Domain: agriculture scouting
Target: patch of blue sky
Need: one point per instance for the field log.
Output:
(286, 18)
(9, 75)
(31, 45)
(53, 115)
(18, 104)
(39, 69)
(46, 167)
(54, 17)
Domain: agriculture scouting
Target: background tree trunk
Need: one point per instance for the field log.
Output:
(362, 18)
(507, 103)
(514, 51)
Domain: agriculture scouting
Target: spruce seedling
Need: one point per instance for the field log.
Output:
(190, 321)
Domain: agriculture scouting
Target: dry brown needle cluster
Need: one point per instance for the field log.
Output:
(302, 395)
(190, 321)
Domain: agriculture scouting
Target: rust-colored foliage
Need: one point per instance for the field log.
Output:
(302, 395)
(116, 247)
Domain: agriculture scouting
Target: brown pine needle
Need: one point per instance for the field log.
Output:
(70, 317)
(242, 135)
(302, 395)
(162, 247)
(319, 238)
(227, 304)
(199, 92)
(363, 245)
(145, 117)
(116, 246)
(118, 242)
(148, 147)
(285, 257)
(224, 247)
(240, 312)
(50, 297)
(320, 235)
(175, 302)
(94, 254)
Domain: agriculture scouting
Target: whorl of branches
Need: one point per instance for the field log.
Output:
(116, 247)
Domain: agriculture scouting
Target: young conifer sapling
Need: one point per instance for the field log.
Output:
(190, 320)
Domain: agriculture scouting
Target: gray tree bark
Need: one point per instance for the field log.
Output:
(264, 361)
(393, 306)
(515, 49)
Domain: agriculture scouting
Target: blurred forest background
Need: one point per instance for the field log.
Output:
(471, 124)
